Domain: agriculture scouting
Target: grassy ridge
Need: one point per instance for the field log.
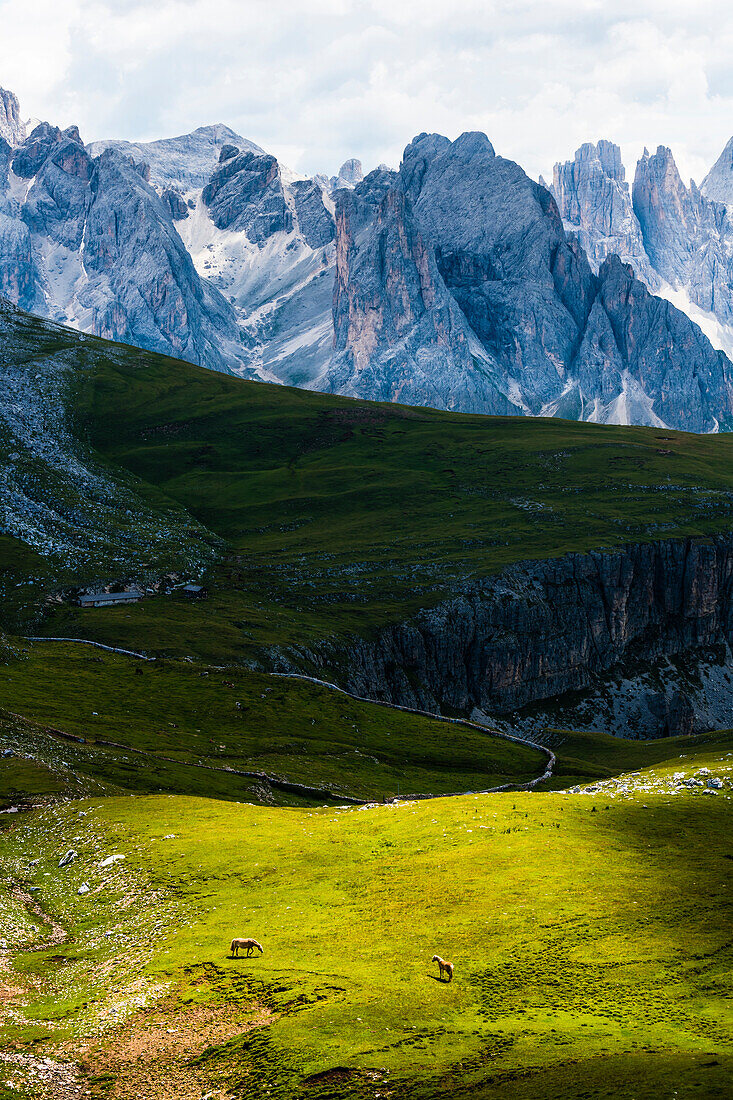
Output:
(583, 756)
(590, 934)
(340, 515)
(182, 716)
(343, 514)
(337, 516)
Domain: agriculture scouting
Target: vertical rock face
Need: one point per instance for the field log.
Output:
(398, 334)
(502, 252)
(689, 239)
(718, 184)
(246, 194)
(12, 128)
(176, 205)
(544, 628)
(594, 202)
(349, 175)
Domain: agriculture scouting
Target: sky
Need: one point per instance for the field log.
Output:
(317, 81)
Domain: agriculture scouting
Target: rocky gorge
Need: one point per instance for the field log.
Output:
(526, 645)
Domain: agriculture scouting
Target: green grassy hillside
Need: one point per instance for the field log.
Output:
(332, 516)
(590, 936)
(173, 726)
(590, 930)
(342, 515)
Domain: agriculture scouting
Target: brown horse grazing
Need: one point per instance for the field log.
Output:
(444, 967)
(248, 944)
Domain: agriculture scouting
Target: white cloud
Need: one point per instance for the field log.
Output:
(317, 82)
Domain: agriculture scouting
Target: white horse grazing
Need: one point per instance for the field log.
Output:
(249, 945)
(444, 967)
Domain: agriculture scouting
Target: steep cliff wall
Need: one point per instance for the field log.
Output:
(544, 628)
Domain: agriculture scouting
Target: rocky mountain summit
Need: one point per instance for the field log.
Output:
(182, 162)
(12, 128)
(455, 281)
(678, 239)
(456, 277)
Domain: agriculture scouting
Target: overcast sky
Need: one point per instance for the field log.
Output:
(315, 81)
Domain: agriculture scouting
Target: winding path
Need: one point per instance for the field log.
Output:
(298, 788)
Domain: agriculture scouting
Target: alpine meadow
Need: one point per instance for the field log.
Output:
(366, 554)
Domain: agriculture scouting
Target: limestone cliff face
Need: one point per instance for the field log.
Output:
(595, 203)
(12, 128)
(540, 629)
(398, 333)
(688, 237)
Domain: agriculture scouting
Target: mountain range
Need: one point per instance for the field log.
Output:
(455, 281)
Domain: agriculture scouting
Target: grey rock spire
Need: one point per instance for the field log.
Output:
(12, 128)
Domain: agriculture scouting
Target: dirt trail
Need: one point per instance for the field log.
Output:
(50, 1078)
(317, 792)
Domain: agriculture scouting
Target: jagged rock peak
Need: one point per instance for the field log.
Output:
(718, 184)
(349, 175)
(472, 143)
(665, 212)
(605, 155)
(12, 128)
(594, 202)
(38, 146)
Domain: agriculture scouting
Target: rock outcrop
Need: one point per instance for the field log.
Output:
(12, 127)
(541, 629)
(595, 203)
(532, 328)
(246, 194)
